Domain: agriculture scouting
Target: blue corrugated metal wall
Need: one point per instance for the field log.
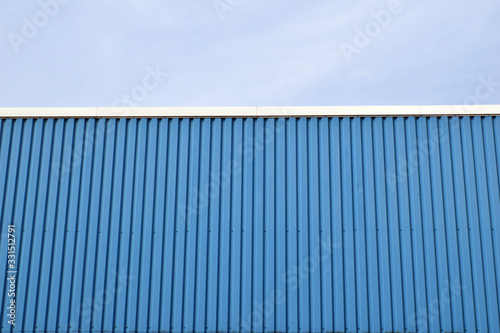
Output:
(289, 225)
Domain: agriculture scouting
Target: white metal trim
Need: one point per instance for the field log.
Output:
(251, 111)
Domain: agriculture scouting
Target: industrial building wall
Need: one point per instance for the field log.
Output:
(251, 224)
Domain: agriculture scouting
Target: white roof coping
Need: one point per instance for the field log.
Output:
(251, 111)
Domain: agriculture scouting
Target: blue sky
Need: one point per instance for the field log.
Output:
(248, 52)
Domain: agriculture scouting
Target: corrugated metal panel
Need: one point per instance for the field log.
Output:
(289, 225)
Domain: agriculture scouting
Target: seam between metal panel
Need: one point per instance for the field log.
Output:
(481, 121)
(45, 216)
